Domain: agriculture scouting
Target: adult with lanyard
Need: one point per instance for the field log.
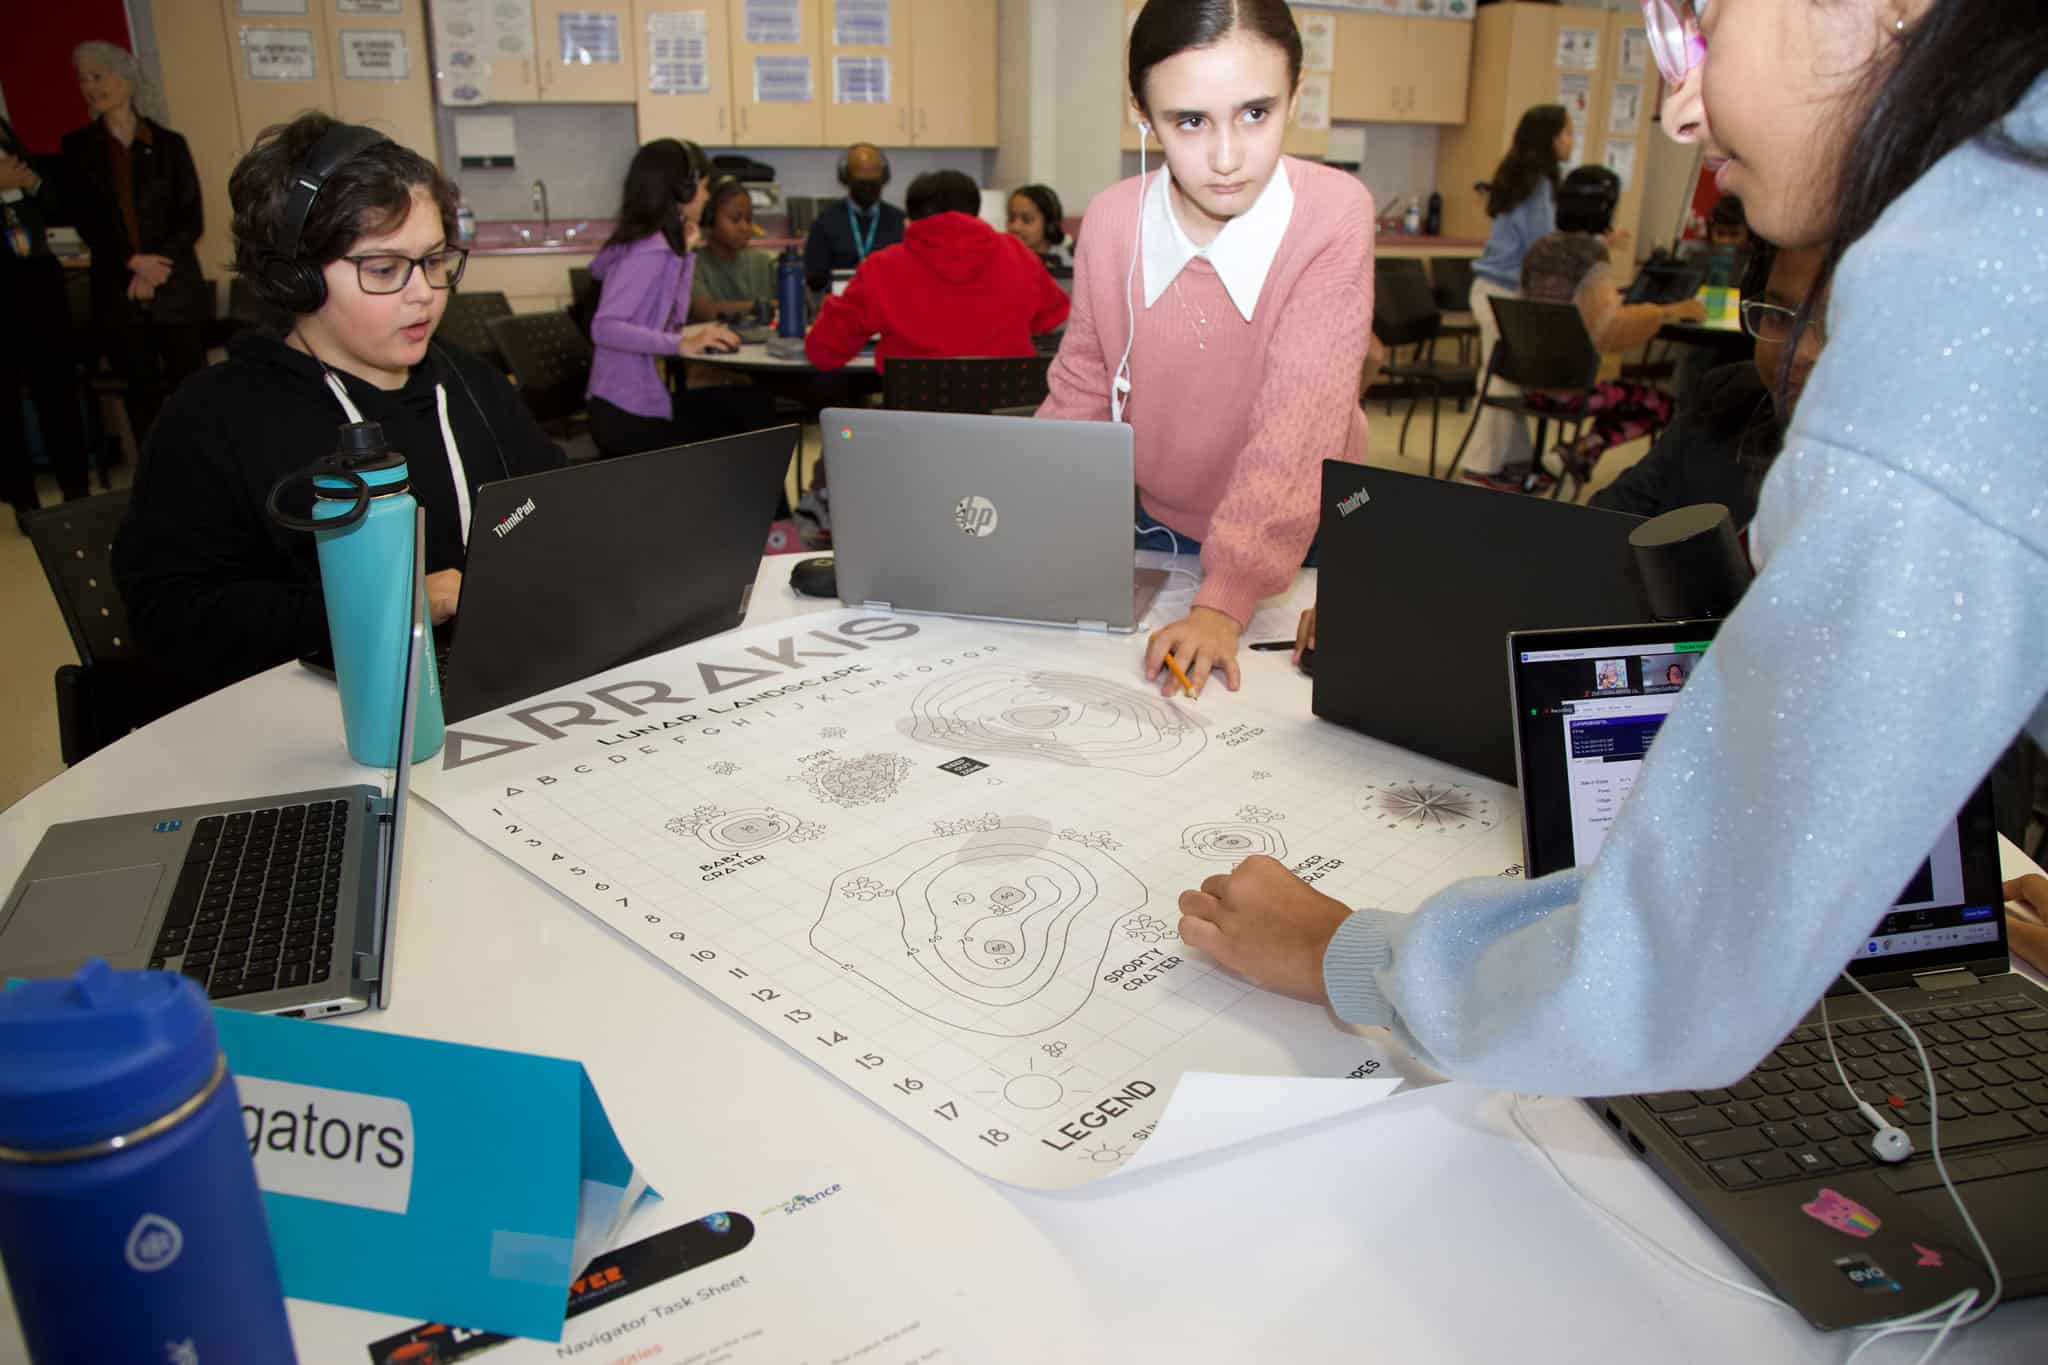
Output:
(1775, 819)
(1220, 306)
(132, 192)
(1521, 199)
(849, 230)
(351, 234)
(39, 358)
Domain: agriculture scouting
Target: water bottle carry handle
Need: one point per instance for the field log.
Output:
(358, 509)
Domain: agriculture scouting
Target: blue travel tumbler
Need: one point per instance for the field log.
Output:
(363, 519)
(792, 298)
(130, 1220)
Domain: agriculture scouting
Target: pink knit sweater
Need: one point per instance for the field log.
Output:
(1232, 428)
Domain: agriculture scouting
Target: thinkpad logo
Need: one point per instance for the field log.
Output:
(1346, 506)
(519, 514)
(975, 516)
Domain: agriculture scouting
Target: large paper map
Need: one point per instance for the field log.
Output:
(941, 860)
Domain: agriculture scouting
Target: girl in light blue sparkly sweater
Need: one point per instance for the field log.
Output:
(1893, 644)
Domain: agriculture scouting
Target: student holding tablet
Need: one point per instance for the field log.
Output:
(1221, 307)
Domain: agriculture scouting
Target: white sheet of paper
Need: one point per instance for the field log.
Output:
(678, 53)
(772, 21)
(782, 80)
(1312, 106)
(1318, 41)
(1621, 159)
(588, 38)
(279, 54)
(1578, 49)
(860, 23)
(860, 80)
(1209, 1112)
(374, 54)
(1625, 110)
(1635, 52)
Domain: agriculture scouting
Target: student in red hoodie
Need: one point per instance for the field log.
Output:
(953, 287)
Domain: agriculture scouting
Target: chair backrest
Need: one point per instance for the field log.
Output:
(965, 385)
(1451, 276)
(75, 542)
(1543, 345)
(466, 323)
(583, 295)
(549, 360)
(1404, 310)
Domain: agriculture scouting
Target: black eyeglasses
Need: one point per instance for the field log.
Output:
(1773, 322)
(387, 272)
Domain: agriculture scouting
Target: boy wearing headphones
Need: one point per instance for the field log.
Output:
(849, 231)
(348, 233)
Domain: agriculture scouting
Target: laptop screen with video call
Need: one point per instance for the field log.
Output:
(1587, 706)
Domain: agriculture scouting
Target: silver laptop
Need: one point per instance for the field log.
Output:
(275, 904)
(998, 518)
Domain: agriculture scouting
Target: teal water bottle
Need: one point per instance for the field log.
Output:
(363, 519)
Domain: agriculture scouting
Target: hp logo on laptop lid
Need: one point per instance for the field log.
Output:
(975, 515)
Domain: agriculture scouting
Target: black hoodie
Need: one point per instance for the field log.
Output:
(214, 590)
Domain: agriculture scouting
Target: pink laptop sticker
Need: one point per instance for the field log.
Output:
(1841, 1213)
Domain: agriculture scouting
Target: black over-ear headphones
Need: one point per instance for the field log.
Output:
(846, 176)
(283, 278)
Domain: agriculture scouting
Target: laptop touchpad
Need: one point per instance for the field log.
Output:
(91, 914)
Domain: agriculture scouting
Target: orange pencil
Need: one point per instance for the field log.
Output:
(1185, 685)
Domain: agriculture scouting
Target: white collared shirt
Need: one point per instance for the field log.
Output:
(1241, 253)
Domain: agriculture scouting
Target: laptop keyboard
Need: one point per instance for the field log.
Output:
(257, 902)
(1791, 1117)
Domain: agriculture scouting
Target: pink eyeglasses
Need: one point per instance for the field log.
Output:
(1675, 40)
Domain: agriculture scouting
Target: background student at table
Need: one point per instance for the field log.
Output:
(1233, 339)
(1776, 818)
(638, 399)
(35, 332)
(953, 287)
(731, 278)
(850, 230)
(1521, 199)
(216, 591)
(1037, 220)
(1571, 265)
(132, 192)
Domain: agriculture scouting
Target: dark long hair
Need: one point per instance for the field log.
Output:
(1167, 28)
(1530, 160)
(1950, 78)
(1049, 208)
(662, 178)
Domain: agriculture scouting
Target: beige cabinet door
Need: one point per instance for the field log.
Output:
(282, 65)
(865, 81)
(1437, 56)
(1371, 80)
(953, 73)
(586, 51)
(382, 74)
(778, 84)
(685, 70)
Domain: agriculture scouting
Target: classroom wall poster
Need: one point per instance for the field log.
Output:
(678, 53)
(1319, 42)
(860, 80)
(773, 21)
(1625, 110)
(860, 23)
(271, 7)
(1312, 106)
(1575, 93)
(589, 38)
(1635, 52)
(1621, 159)
(1578, 49)
(374, 54)
(279, 54)
(782, 80)
(375, 7)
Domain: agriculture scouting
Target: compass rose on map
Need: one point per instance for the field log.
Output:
(1439, 807)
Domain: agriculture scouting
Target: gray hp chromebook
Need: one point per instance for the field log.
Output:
(1779, 1164)
(999, 518)
(275, 904)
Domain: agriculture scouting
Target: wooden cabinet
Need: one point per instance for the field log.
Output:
(1529, 54)
(1394, 69)
(382, 74)
(866, 81)
(585, 51)
(776, 80)
(952, 73)
(686, 43)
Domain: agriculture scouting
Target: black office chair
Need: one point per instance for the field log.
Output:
(467, 323)
(965, 385)
(107, 692)
(1543, 348)
(1404, 313)
(550, 362)
(584, 291)
(1450, 279)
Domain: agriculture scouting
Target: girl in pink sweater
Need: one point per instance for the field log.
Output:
(1222, 309)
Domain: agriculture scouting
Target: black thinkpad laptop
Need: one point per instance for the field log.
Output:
(1418, 579)
(1779, 1164)
(582, 569)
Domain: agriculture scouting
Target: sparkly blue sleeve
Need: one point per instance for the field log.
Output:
(1892, 647)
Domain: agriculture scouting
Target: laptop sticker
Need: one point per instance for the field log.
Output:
(1867, 1275)
(1842, 1213)
(1929, 1260)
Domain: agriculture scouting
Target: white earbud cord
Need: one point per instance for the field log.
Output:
(1120, 385)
